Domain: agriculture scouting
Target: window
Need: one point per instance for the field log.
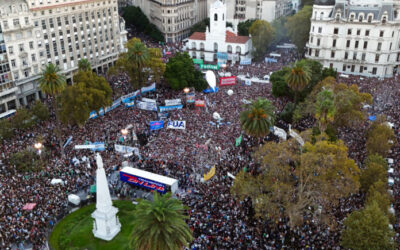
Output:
(348, 44)
(355, 56)
(311, 39)
(379, 47)
(13, 63)
(335, 31)
(16, 22)
(318, 42)
(358, 32)
(367, 33)
(344, 67)
(319, 29)
(361, 69)
(370, 18)
(31, 45)
(33, 56)
(317, 52)
(356, 45)
(348, 31)
(346, 55)
(215, 17)
(360, 17)
(352, 68)
(381, 33)
(365, 45)
(5, 23)
(26, 20)
(363, 57)
(374, 69)
(11, 50)
(390, 47)
(332, 54)
(377, 57)
(334, 43)
(21, 47)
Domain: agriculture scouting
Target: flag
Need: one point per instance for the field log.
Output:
(238, 141)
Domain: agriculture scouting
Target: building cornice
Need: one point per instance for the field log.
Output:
(62, 5)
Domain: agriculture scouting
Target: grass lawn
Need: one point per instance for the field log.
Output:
(75, 230)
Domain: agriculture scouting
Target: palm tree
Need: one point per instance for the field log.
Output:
(324, 109)
(258, 117)
(138, 55)
(160, 225)
(52, 83)
(84, 65)
(298, 78)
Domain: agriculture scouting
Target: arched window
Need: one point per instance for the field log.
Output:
(321, 16)
(238, 49)
(370, 16)
(223, 17)
(193, 54)
(193, 45)
(201, 46)
(215, 47)
(360, 17)
(229, 49)
(215, 17)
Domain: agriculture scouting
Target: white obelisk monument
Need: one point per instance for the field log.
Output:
(106, 224)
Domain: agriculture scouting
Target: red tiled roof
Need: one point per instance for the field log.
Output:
(232, 38)
(198, 36)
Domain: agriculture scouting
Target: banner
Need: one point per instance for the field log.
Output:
(130, 104)
(245, 62)
(209, 66)
(101, 111)
(177, 125)
(115, 104)
(149, 88)
(173, 102)
(128, 97)
(198, 61)
(166, 108)
(210, 90)
(270, 60)
(190, 97)
(97, 146)
(227, 81)
(247, 82)
(238, 141)
(156, 125)
(222, 55)
(143, 182)
(144, 99)
(126, 149)
(210, 174)
(151, 106)
(200, 103)
(93, 114)
(68, 141)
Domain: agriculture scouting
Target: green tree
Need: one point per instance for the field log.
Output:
(324, 109)
(6, 129)
(262, 35)
(367, 229)
(292, 180)
(180, 73)
(381, 198)
(84, 65)
(27, 160)
(243, 27)
(52, 83)
(298, 27)
(378, 137)
(279, 84)
(155, 63)
(374, 171)
(40, 111)
(298, 78)
(90, 92)
(279, 27)
(258, 117)
(160, 225)
(200, 26)
(23, 119)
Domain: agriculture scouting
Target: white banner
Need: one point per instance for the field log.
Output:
(147, 105)
(126, 149)
(177, 125)
(144, 99)
(173, 102)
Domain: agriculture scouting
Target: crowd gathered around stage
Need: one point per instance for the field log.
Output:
(217, 219)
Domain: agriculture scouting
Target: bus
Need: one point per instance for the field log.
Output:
(148, 180)
(7, 114)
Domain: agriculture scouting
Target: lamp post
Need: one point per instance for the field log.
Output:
(124, 132)
(38, 147)
(186, 91)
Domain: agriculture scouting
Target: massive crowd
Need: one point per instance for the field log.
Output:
(217, 219)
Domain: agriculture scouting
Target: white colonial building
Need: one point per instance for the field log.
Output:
(218, 39)
(359, 37)
(34, 33)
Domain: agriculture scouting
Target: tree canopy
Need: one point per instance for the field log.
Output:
(375, 170)
(160, 224)
(325, 109)
(258, 117)
(200, 26)
(90, 92)
(292, 180)
(262, 35)
(180, 73)
(298, 27)
(379, 136)
(243, 27)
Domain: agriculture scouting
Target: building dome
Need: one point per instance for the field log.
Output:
(325, 2)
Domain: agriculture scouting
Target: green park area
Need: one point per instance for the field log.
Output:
(75, 230)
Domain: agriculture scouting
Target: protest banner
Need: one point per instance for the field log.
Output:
(149, 88)
(210, 174)
(126, 149)
(198, 61)
(173, 102)
(245, 61)
(130, 104)
(176, 125)
(156, 125)
(190, 97)
(167, 108)
(238, 141)
(151, 106)
(68, 141)
(209, 66)
(199, 103)
(227, 81)
(144, 99)
(93, 114)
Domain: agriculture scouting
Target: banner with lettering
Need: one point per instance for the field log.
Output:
(156, 125)
(151, 106)
(149, 88)
(200, 103)
(227, 81)
(190, 97)
(126, 149)
(176, 125)
(143, 182)
(198, 61)
(245, 62)
(173, 102)
(209, 66)
(167, 108)
(128, 97)
(144, 99)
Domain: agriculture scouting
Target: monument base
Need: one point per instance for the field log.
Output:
(106, 225)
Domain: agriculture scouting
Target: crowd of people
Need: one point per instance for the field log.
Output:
(217, 219)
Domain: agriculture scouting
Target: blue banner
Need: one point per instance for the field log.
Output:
(245, 62)
(270, 60)
(142, 182)
(101, 111)
(166, 108)
(130, 104)
(222, 55)
(210, 90)
(99, 146)
(130, 96)
(93, 114)
(149, 88)
(156, 125)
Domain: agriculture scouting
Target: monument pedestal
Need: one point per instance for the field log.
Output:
(106, 224)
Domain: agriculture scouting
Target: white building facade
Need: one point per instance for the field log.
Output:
(173, 18)
(37, 32)
(359, 37)
(268, 10)
(219, 39)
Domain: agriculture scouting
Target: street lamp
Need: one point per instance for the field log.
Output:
(186, 90)
(38, 147)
